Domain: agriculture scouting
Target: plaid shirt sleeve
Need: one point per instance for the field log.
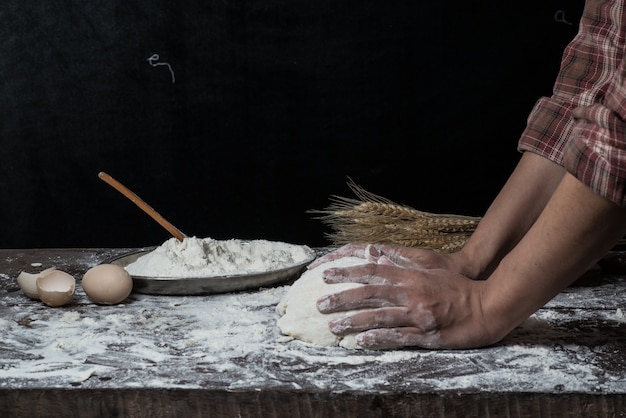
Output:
(582, 126)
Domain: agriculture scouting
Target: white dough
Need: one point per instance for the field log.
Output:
(301, 319)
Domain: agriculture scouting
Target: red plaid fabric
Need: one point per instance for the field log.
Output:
(582, 126)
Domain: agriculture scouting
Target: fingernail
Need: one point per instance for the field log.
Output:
(372, 253)
(365, 339)
(340, 325)
(329, 275)
(324, 304)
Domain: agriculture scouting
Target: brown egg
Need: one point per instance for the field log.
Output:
(56, 288)
(107, 284)
(28, 282)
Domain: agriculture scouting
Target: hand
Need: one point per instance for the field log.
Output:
(409, 308)
(396, 255)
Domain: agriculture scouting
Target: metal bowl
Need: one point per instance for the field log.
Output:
(206, 285)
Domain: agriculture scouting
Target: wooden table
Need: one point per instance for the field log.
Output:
(222, 356)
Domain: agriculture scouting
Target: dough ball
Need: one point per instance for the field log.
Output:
(301, 319)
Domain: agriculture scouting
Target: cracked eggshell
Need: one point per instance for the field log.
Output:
(56, 288)
(107, 284)
(28, 282)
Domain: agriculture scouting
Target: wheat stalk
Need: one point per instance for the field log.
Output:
(374, 219)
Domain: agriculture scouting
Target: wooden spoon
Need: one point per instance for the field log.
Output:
(142, 205)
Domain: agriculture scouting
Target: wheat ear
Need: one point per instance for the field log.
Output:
(373, 219)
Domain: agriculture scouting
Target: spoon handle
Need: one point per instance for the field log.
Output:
(142, 205)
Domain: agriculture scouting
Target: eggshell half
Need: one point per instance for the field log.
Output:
(56, 288)
(107, 284)
(28, 282)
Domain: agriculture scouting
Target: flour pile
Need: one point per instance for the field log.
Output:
(207, 257)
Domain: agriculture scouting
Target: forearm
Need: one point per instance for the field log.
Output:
(576, 228)
(510, 216)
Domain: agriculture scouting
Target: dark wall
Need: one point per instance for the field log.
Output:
(271, 106)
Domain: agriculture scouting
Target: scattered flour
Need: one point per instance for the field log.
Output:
(534, 322)
(231, 342)
(207, 257)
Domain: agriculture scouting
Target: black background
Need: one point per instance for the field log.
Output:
(273, 105)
